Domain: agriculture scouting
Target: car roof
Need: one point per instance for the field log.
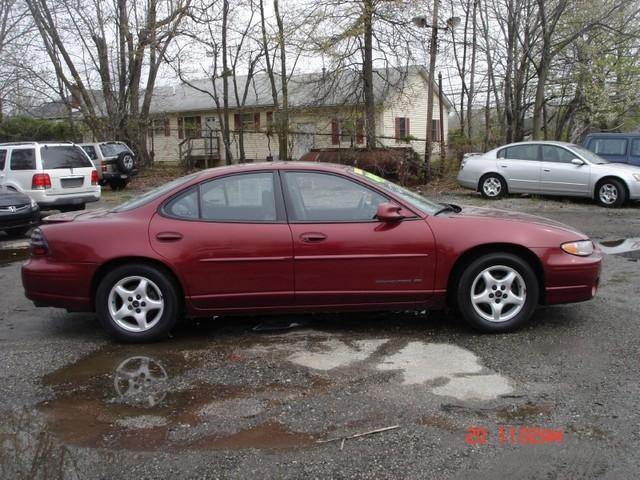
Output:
(278, 165)
(541, 142)
(36, 144)
(614, 134)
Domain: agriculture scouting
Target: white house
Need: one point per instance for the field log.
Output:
(326, 111)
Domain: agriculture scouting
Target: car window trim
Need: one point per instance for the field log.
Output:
(280, 215)
(382, 193)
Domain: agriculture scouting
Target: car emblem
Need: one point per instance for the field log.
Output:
(12, 209)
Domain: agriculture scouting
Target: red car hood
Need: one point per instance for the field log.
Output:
(494, 213)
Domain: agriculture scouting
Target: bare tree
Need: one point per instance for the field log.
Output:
(78, 37)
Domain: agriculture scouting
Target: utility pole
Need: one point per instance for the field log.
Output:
(442, 140)
(433, 45)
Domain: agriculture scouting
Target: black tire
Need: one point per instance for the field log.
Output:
(73, 208)
(524, 286)
(17, 232)
(118, 184)
(492, 186)
(157, 322)
(125, 162)
(611, 193)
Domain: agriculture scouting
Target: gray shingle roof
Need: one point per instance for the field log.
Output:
(305, 90)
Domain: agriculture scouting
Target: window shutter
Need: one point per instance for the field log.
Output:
(407, 128)
(335, 132)
(167, 127)
(360, 130)
(198, 132)
(397, 129)
(269, 119)
(435, 130)
(236, 121)
(256, 121)
(180, 129)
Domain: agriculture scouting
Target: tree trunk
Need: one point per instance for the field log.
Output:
(367, 76)
(283, 119)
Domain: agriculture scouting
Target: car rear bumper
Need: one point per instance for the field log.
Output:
(55, 284)
(467, 180)
(569, 278)
(68, 199)
(109, 176)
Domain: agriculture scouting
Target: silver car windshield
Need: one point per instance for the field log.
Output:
(589, 155)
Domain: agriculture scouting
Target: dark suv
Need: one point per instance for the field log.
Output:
(615, 147)
(114, 161)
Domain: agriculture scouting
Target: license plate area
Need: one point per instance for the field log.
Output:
(72, 182)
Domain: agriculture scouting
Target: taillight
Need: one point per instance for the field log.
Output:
(103, 166)
(41, 181)
(94, 177)
(38, 244)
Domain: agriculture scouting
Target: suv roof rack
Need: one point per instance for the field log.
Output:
(9, 144)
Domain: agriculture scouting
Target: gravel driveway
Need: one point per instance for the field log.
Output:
(281, 397)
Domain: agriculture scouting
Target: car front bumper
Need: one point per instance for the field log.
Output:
(19, 220)
(569, 278)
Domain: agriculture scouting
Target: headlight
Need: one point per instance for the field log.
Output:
(583, 248)
(636, 176)
(34, 204)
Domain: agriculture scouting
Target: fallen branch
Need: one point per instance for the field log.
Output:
(370, 432)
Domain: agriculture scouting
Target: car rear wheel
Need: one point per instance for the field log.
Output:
(492, 186)
(497, 292)
(137, 303)
(611, 193)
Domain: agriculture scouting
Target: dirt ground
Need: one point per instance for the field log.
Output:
(282, 397)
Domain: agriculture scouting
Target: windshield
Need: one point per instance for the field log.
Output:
(151, 195)
(67, 156)
(113, 149)
(589, 155)
(412, 198)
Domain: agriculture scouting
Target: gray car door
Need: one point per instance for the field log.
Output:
(520, 167)
(561, 177)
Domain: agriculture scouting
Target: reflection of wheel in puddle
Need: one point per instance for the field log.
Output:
(140, 381)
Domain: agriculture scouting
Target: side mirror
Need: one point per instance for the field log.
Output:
(578, 162)
(389, 212)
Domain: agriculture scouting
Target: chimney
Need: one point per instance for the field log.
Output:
(75, 95)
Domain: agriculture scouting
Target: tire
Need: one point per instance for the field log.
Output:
(490, 279)
(118, 185)
(17, 232)
(611, 193)
(157, 310)
(125, 162)
(492, 186)
(73, 208)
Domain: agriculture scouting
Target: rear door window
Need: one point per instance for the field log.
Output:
(609, 146)
(113, 149)
(23, 159)
(635, 148)
(91, 151)
(3, 159)
(64, 156)
(520, 152)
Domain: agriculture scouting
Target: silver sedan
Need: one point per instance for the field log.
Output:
(550, 168)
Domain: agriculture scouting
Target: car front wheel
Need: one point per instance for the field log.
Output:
(492, 186)
(497, 292)
(137, 303)
(611, 193)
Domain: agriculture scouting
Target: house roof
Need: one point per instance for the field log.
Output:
(50, 111)
(304, 90)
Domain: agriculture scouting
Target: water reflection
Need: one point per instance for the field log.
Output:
(616, 247)
(141, 381)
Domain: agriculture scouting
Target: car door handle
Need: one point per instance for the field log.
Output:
(503, 166)
(313, 237)
(169, 236)
(546, 169)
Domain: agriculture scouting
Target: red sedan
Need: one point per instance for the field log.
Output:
(301, 237)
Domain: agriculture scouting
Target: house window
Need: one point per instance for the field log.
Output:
(246, 121)
(347, 131)
(161, 127)
(403, 130)
(189, 127)
(435, 130)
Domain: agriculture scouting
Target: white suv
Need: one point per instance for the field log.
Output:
(56, 175)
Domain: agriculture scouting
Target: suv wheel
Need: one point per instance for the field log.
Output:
(125, 162)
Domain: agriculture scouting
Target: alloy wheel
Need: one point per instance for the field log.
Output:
(135, 304)
(498, 293)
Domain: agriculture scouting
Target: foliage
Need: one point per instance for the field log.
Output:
(17, 129)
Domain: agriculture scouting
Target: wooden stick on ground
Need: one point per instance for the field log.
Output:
(370, 432)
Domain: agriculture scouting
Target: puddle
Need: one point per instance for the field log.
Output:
(626, 247)
(524, 412)
(235, 391)
(10, 255)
